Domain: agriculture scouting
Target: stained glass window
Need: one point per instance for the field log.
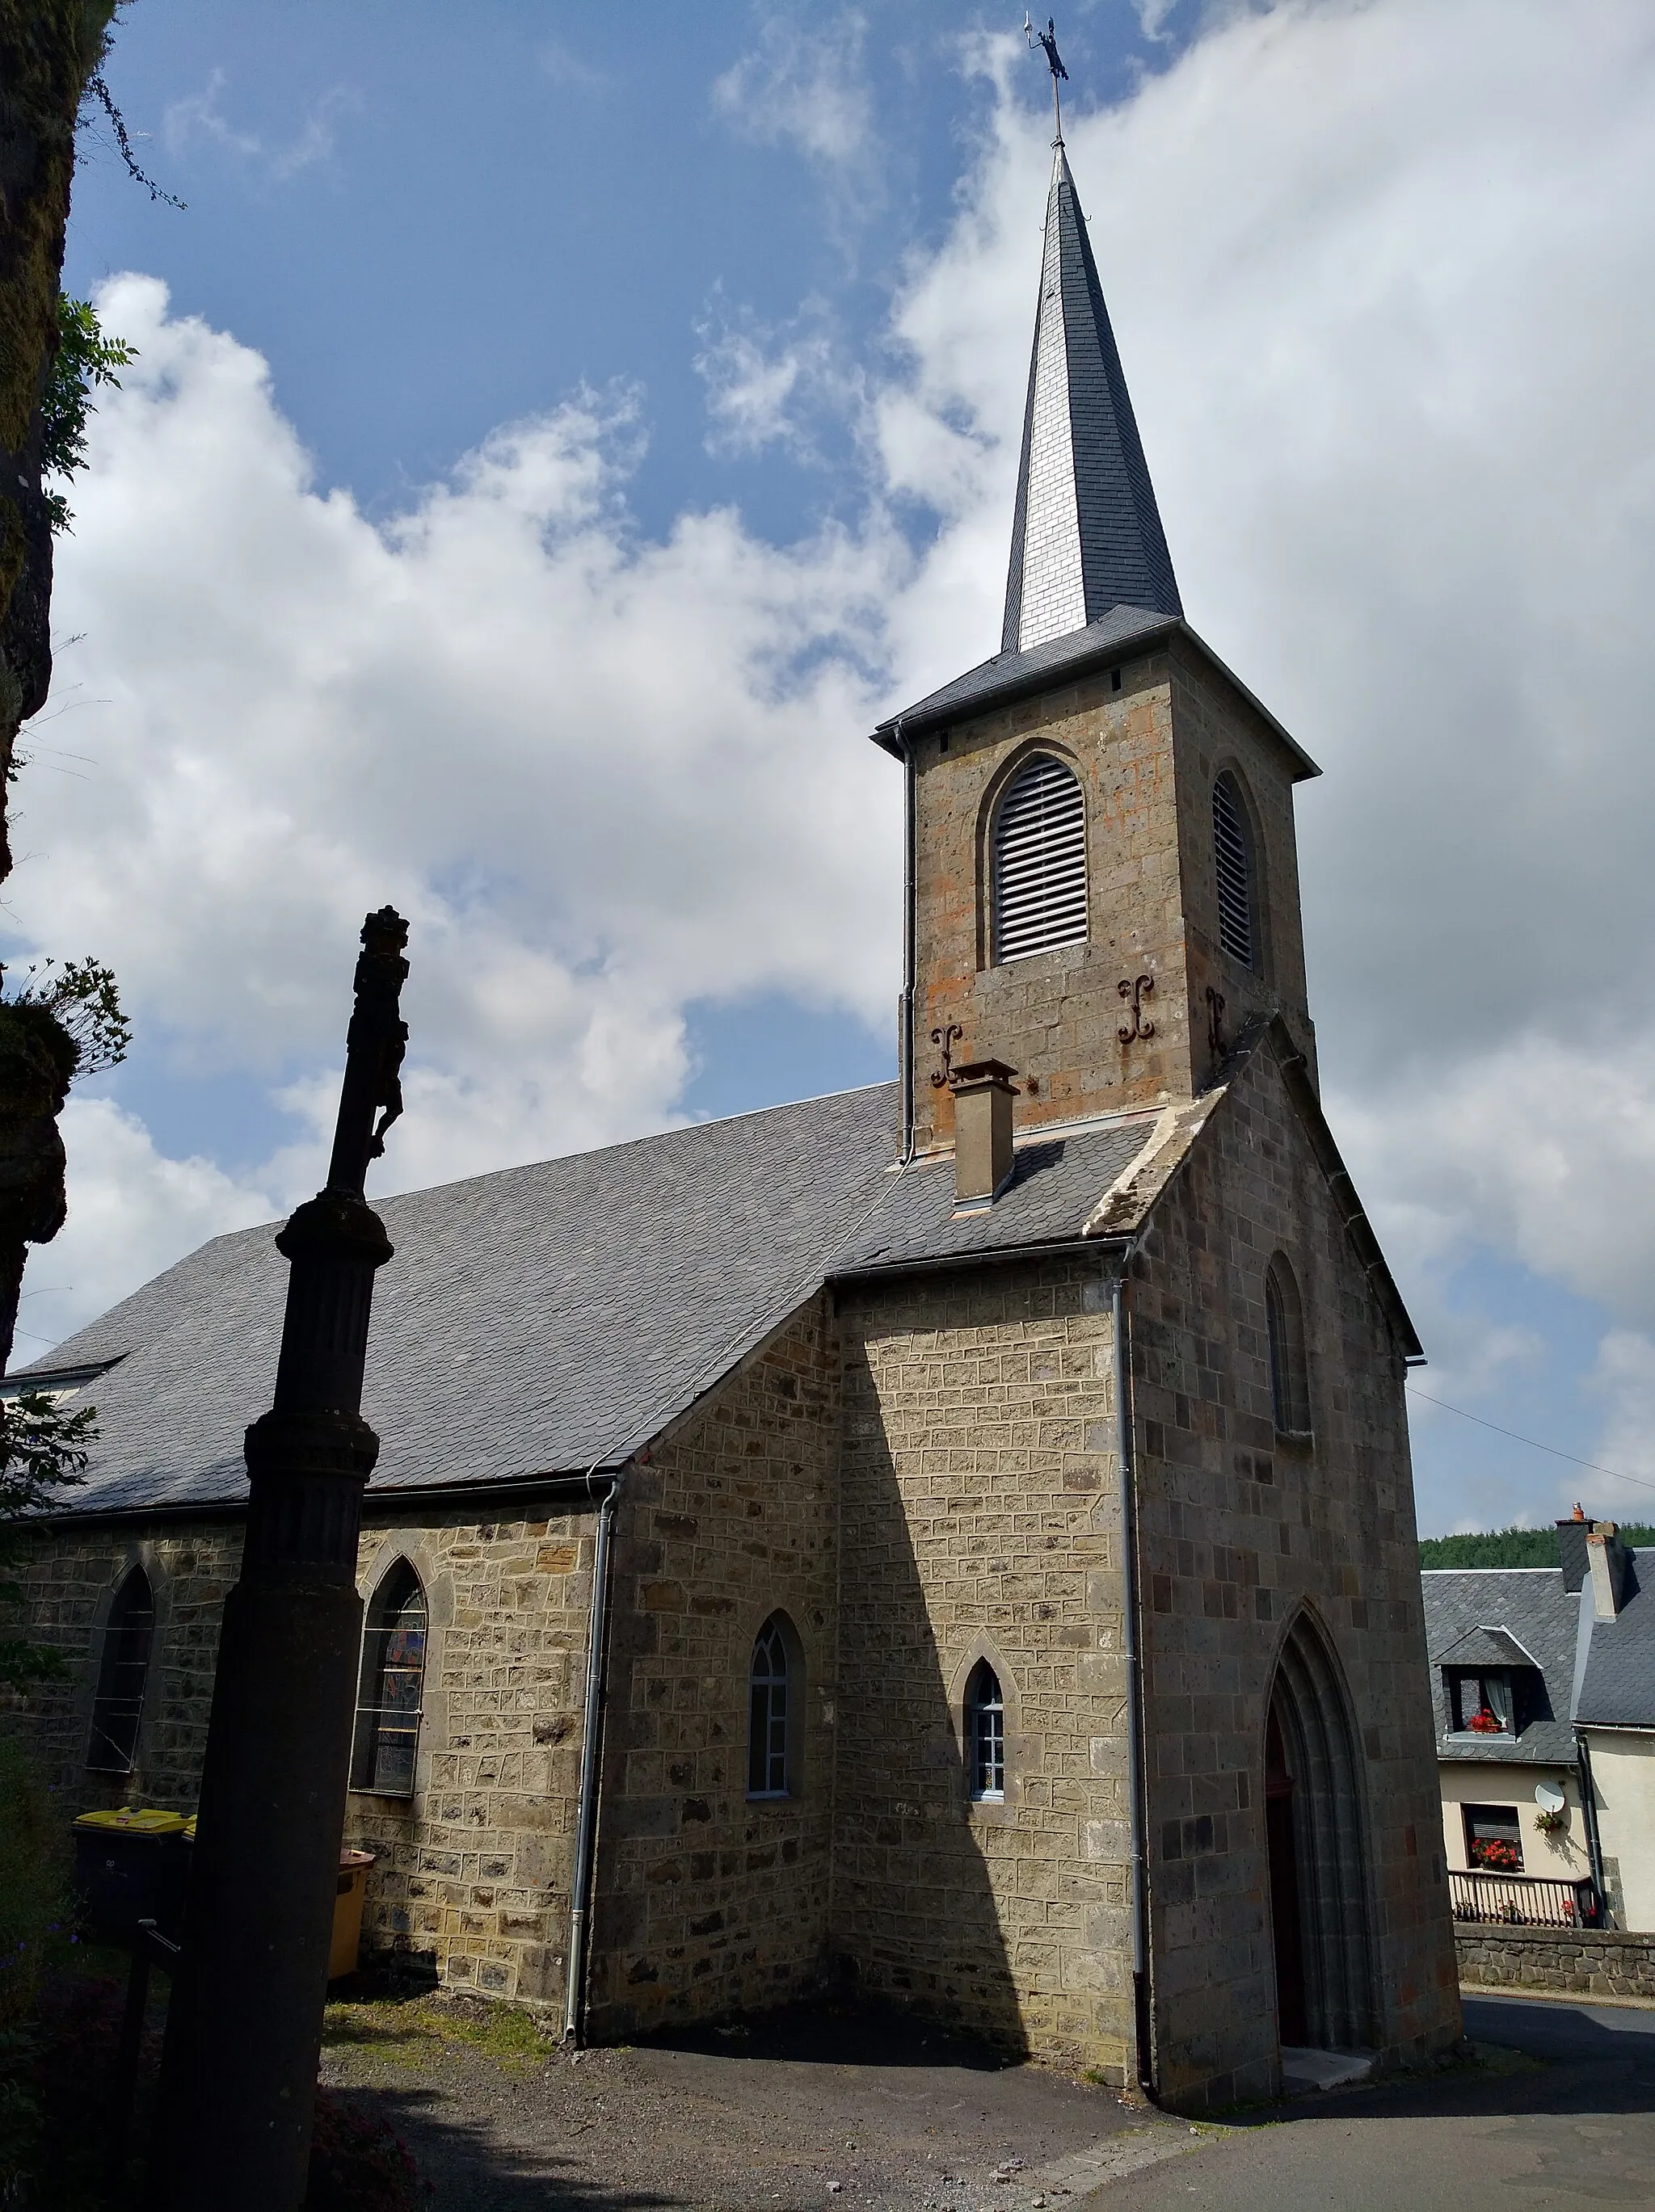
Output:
(767, 1725)
(393, 1685)
(123, 1670)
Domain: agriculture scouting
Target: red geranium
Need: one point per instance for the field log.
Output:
(1483, 1723)
(1498, 1858)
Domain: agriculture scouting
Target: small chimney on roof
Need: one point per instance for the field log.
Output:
(1571, 1535)
(982, 1093)
(1607, 1559)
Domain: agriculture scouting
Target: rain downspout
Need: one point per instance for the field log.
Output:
(586, 1823)
(1142, 2035)
(1589, 1809)
(909, 950)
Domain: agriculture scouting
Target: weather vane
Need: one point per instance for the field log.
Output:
(1048, 39)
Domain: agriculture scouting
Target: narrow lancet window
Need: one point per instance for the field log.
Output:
(123, 1671)
(1232, 853)
(985, 1735)
(767, 1726)
(392, 1692)
(1039, 861)
(1284, 1314)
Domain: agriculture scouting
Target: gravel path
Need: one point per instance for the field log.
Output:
(805, 2110)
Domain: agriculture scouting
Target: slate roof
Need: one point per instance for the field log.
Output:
(1087, 534)
(1617, 1682)
(1528, 1604)
(535, 1321)
(549, 1318)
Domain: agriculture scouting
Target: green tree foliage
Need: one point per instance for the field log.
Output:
(1510, 1548)
(43, 1451)
(81, 998)
(85, 359)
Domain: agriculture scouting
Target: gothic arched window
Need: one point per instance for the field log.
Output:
(391, 1689)
(1284, 1316)
(123, 1668)
(1038, 861)
(985, 1735)
(1232, 857)
(770, 1713)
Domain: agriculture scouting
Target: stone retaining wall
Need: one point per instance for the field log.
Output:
(1600, 1962)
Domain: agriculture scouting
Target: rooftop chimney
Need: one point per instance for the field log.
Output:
(1572, 1536)
(1607, 1559)
(982, 1093)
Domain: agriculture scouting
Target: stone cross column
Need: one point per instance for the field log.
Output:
(244, 2031)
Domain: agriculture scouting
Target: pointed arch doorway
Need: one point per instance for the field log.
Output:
(1316, 1835)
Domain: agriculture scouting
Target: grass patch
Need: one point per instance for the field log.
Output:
(419, 2035)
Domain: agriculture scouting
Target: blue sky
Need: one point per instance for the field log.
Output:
(559, 435)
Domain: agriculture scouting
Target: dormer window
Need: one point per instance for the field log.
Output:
(1039, 873)
(1492, 1686)
(1481, 1704)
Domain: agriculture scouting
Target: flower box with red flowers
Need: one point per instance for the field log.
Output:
(1484, 1723)
(1496, 1857)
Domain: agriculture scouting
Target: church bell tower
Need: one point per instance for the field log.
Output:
(1102, 877)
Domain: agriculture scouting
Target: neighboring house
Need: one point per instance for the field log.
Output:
(968, 1522)
(1544, 1680)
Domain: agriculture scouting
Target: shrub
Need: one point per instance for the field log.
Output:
(33, 1880)
(358, 2163)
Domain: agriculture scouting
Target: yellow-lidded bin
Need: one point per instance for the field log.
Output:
(130, 1866)
(346, 1951)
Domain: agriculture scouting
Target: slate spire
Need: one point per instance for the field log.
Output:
(1087, 535)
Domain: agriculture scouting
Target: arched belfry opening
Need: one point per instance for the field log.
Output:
(1316, 1835)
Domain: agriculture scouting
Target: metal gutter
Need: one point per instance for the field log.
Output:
(1142, 2015)
(520, 1489)
(909, 946)
(1589, 1810)
(585, 1819)
(988, 1256)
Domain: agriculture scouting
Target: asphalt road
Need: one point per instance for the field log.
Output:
(1571, 2123)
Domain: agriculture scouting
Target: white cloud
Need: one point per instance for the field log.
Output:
(1377, 273)
(134, 1211)
(200, 116)
(805, 87)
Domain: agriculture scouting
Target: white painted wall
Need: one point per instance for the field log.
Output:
(1561, 1857)
(1623, 1778)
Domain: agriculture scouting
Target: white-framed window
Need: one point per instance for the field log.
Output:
(1232, 861)
(123, 1673)
(769, 1689)
(390, 1690)
(985, 1735)
(1038, 861)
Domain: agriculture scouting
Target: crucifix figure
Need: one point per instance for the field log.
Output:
(1048, 40)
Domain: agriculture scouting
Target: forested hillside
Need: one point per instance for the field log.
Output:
(1511, 1548)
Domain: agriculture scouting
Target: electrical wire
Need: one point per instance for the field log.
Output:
(1614, 1473)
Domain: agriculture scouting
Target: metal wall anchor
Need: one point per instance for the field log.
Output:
(1137, 989)
(944, 1038)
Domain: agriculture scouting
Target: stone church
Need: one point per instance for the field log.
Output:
(953, 1541)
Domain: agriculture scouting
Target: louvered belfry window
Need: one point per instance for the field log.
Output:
(1039, 861)
(1232, 853)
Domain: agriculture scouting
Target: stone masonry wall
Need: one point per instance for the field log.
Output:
(1599, 1962)
(980, 1519)
(473, 1870)
(1146, 756)
(707, 1902)
(1213, 730)
(71, 1579)
(1239, 1529)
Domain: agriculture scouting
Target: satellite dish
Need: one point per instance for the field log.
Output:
(1548, 1796)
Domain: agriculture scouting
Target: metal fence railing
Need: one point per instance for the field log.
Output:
(1523, 1900)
